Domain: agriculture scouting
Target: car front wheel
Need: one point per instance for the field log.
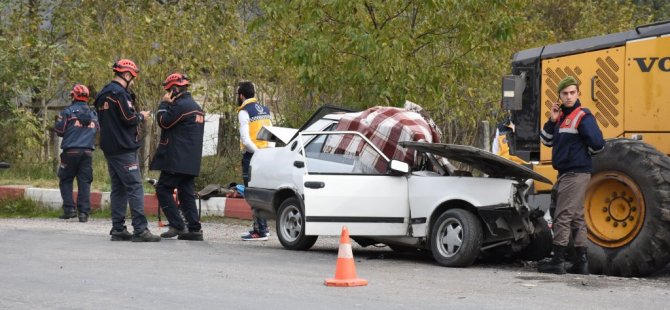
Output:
(291, 226)
(456, 238)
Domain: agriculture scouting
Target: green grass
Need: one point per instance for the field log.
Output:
(43, 175)
(26, 208)
(214, 170)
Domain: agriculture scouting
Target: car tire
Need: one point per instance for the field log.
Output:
(456, 238)
(540, 245)
(291, 226)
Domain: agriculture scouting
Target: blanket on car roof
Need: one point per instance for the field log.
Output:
(385, 127)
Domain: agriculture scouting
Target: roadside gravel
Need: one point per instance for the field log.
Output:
(228, 231)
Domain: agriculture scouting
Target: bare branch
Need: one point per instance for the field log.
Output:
(389, 18)
(371, 11)
(415, 13)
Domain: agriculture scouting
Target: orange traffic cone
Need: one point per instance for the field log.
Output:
(345, 270)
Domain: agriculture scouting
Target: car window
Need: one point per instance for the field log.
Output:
(343, 154)
(316, 144)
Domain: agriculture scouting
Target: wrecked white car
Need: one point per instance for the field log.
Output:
(313, 187)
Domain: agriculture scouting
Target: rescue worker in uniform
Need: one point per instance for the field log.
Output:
(252, 117)
(120, 133)
(574, 136)
(178, 157)
(77, 124)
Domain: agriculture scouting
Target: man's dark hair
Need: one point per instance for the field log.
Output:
(246, 89)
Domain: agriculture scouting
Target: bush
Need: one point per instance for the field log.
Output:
(219, 170)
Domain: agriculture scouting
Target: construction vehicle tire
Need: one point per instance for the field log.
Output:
(627, 209)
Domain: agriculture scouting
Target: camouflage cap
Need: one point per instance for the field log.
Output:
(567, 81)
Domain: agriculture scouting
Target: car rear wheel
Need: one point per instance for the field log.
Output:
(291, 226)
(456, 238)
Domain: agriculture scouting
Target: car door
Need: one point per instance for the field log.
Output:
(347, 184)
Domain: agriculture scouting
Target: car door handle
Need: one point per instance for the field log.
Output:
(299, 164)
(316, 185)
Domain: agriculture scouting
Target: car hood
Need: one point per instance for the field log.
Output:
(276, 134)
(484, 161)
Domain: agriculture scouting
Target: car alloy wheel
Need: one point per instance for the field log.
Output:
(291, 223)
(291, 226)
(452, 237)
(456, 238)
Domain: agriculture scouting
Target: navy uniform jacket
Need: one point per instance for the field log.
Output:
(77, 124)
(120, 124)
(180, 146)
(573, 139)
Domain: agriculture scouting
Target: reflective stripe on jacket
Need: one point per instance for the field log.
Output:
(259, 116)
(75, 132)
(182, 128)
(573, 139)
(120, 124)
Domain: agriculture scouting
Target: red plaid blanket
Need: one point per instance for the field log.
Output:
(384, 127)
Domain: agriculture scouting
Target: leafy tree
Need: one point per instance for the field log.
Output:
(31, 64)
(362, 53)
(446, 55)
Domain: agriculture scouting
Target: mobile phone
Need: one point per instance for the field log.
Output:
(560, 103)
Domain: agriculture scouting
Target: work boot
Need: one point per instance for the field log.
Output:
(83, 217)
(66, 216)
(122, 235)
(581, 263)
(556, 264)
(173, 232)
(192, 236)
(145, 236)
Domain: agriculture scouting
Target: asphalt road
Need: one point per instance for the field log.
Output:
(52, 264)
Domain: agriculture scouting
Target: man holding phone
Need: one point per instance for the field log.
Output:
(120, 138)
(574, 136)
(178, 157)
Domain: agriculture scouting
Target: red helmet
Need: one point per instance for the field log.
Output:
(175, 79)
(79, 92)
(126, 65)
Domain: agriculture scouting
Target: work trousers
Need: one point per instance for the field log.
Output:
(76, 163)
(260, 224)
(569, 215)
(124, 172)
(185, 185)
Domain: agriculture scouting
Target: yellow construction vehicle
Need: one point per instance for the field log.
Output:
(625, 82)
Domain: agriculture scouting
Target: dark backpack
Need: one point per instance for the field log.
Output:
(85, 116)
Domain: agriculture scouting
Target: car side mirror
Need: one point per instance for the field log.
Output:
(4, 165)
(398, 167)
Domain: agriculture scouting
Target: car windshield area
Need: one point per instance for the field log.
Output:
(342, 153)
